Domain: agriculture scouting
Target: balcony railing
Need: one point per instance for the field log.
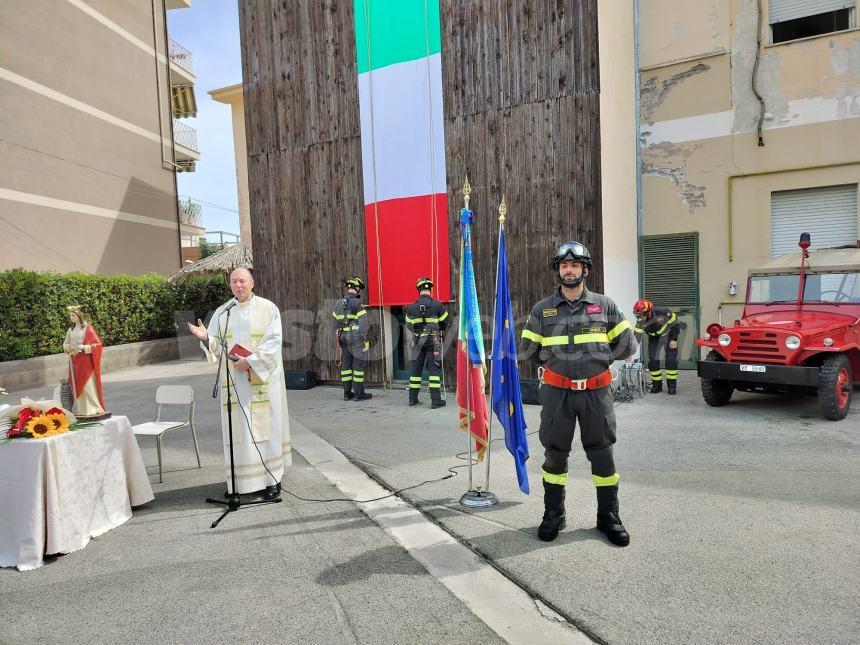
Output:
(179, 55)
(190, 212)
(185, 135)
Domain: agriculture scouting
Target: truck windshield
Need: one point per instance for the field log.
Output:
(832, 287)
(772, 288)
(822, 287)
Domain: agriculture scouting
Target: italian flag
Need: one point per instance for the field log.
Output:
(398, 51)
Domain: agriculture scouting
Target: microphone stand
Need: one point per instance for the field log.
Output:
(234, 501)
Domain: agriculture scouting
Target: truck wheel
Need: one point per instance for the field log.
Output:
(716, 392)
(834, 387)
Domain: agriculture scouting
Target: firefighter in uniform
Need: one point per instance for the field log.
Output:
(662, 326)
(575, 335)
(426, 318)
(352, 324)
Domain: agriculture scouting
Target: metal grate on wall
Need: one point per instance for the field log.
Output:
(670, 269)
(828, 214)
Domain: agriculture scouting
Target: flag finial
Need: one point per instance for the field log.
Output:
(467, 190)
(503, 210)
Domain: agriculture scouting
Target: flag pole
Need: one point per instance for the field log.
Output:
(503, 209)
(467, 189)
(474, 497)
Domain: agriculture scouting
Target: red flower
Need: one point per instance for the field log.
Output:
(55, 411)
(25, 415)
(15, 431)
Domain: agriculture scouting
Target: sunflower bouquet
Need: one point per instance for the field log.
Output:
(36, 420)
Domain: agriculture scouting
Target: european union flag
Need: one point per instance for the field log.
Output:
(507, 398)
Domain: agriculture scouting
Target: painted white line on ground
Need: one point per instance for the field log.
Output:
(500, 604)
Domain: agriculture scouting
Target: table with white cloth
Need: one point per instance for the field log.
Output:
(58, 492)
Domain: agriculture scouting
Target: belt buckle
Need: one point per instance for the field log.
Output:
(579, 384)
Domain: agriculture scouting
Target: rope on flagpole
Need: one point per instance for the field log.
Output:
(503, 209)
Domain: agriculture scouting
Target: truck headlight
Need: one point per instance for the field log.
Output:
(707, 336)
(828, 342)
(724, 340)
(792, 342)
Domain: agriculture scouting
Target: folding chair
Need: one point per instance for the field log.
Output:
(170, 395)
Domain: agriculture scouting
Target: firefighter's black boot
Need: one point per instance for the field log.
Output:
(553, 515)
(608, 520)
(360, 394)
(413, 397)
(656, 387)
(436, 399)
(347, 391)
(671, 386)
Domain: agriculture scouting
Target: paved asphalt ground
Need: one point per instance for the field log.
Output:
(743, 522)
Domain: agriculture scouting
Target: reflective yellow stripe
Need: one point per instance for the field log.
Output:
(413, 321)
(672, 319)
(616, 331)
(545, 341)
(606, 481)
(345, 372)
(415, 386)
(553, 340)
(638, 330)
(537, 338)
(671, 377)
(435, 378)
(443, 316)
(589, 338)
(338, 317)
(431, 320)
(346, 378)
(360, 313)
(552, 478)
(435, 385)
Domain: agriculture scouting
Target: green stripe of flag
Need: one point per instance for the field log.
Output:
(400, 31)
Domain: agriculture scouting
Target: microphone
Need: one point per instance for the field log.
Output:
(229, 307)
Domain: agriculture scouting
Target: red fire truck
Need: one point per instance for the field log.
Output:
(799, 332)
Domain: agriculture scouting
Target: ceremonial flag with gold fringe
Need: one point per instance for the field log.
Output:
(470, 347)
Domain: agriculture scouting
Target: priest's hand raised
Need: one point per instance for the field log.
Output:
(199, 330)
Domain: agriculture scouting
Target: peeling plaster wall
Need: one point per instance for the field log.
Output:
(698, 129)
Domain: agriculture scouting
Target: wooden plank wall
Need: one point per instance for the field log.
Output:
(521, 100)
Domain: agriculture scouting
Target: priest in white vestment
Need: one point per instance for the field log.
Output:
(258, 391)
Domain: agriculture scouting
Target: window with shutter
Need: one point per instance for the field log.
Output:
(828, 214)
(793, 19)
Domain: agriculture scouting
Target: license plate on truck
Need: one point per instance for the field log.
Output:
(753, 368)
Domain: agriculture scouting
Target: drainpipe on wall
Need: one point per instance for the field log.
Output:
(755, 76)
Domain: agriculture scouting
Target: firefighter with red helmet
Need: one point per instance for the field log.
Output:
(662, 327)
(426, 319)
(352, 324)
(575, 335)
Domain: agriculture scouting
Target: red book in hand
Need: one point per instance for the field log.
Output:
(238, 350)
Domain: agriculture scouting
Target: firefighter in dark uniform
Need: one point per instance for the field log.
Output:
(426, 318)
(352, 324)
(575, 335)
(662, 327)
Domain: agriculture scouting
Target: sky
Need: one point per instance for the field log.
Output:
(210, 30)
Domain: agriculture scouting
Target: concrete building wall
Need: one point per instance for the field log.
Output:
(702, 167)
(618, 151)
(233, 96)
(85, 137)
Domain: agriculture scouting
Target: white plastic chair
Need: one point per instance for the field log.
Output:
(170, 395)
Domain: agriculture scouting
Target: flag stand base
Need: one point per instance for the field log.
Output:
(478, 499)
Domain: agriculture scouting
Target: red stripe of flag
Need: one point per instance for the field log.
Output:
(406, 247)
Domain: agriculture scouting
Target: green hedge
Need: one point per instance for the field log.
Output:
(122, 308)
